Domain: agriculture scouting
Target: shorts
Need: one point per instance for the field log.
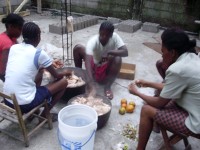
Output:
(99, 71)
(41, 94)
(173, 117)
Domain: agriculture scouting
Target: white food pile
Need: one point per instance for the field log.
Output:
(94, 102)
(74, 81)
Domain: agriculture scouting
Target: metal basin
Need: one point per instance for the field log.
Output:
(71, 92)
(102, 119)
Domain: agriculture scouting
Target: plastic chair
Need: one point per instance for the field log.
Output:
(175, 137)
(16, 116)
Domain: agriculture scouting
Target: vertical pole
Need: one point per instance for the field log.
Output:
(71, 32)
(62, 30)
(67, 29)
(39, 6)
(8, 6)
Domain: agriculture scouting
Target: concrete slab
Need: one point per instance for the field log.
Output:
(129, 26)
(145, 59)
(150, 27)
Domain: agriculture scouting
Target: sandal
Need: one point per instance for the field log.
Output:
(109, 94)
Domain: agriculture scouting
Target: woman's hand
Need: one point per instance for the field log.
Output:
(133, 89)
(57, 64)
(141, 83)
(67, 72)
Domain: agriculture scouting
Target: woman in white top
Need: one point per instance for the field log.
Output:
(24, 73)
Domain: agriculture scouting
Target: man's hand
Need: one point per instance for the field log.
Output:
(105, 54)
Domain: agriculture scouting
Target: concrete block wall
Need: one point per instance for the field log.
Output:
(180, 13)
(14, 5)
(95, 7)
(168, 13)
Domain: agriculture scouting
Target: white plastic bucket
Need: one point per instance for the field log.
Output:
(77, 125)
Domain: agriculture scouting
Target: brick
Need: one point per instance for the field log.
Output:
(150, 27)
(129, 26)
(57, 28)
(114, 20)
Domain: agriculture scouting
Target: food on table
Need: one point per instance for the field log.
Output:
(129, 131)
(74, 81)
(132, 103)
(129, 108)
(122, 111)
(124, 105)
(123, 101)
(125, 147)
(94, 102)
(120, 146)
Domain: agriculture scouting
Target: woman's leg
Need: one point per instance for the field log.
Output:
(146, 123)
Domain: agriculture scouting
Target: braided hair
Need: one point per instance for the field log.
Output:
(107, 25)
(30, 32)
(178, 40)
(13, 19)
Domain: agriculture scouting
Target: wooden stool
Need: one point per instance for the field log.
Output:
(175, 138)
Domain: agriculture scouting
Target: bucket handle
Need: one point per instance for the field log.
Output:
(78, 146)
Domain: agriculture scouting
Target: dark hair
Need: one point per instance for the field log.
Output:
(178, 40)
(13, 19)
(30, 32)
(107, 25)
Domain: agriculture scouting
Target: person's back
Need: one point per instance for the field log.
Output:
(21, 81)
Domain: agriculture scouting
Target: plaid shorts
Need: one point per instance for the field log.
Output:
(173, 117)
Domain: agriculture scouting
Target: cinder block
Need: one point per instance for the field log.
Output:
(57, 28)
(129, 26)
(114, 20)
(150, 27)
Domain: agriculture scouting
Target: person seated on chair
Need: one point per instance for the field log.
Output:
(102, 57)
(13, 24)
(178, 105)
(24, 71)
